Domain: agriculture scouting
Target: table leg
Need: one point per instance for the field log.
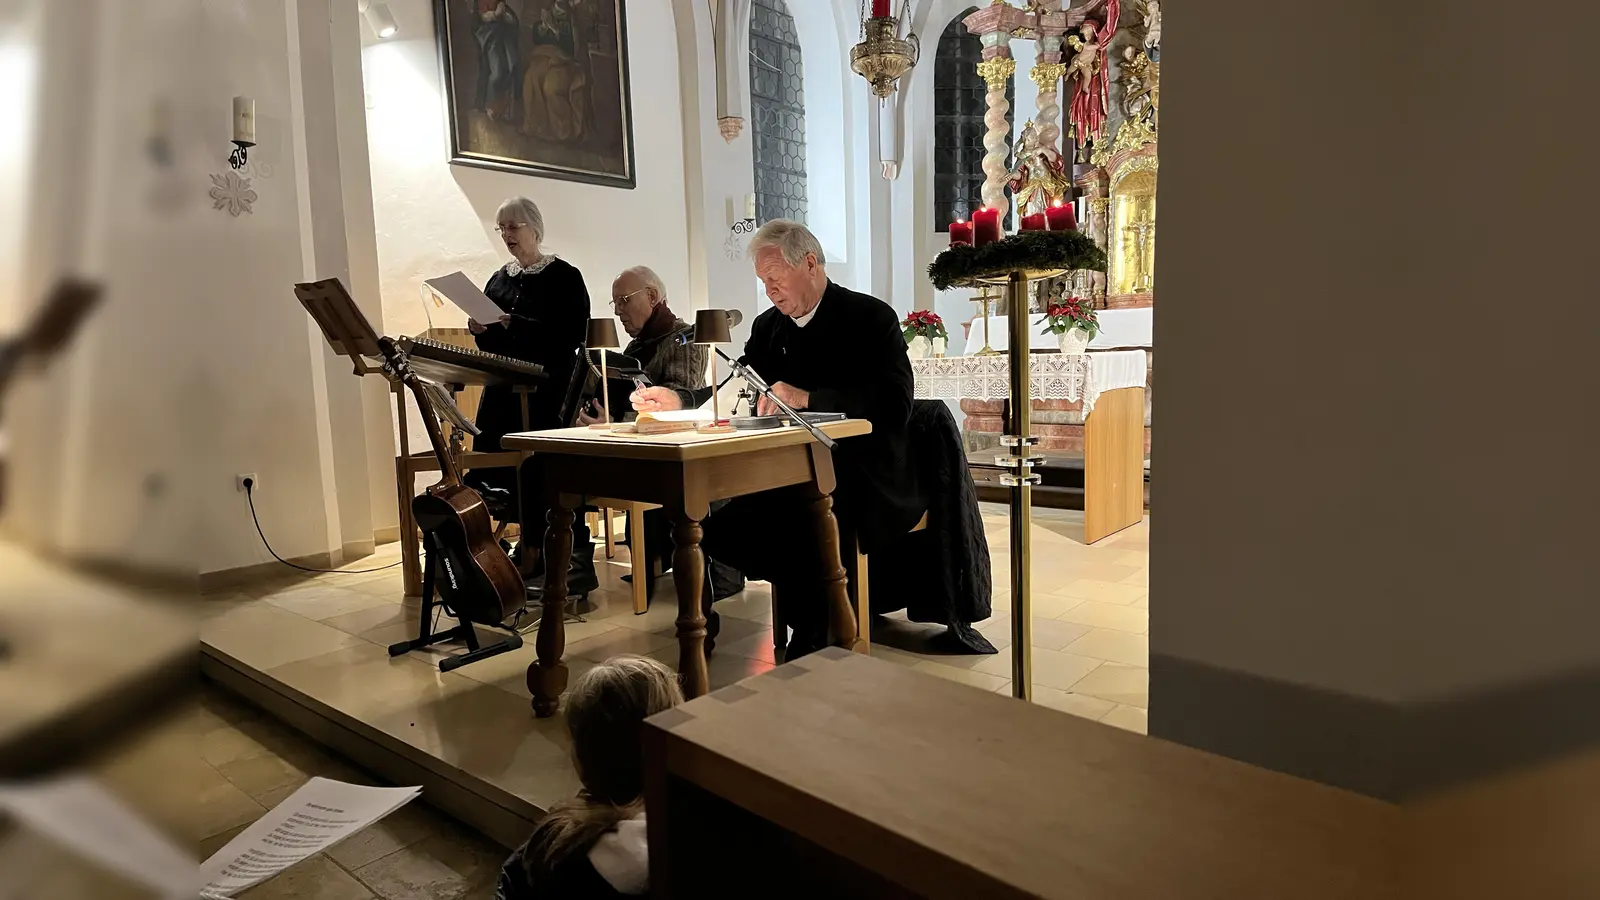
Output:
(836, 592)
(410, 550)
(639, 560)
(688, 575)
(547, 676)
(611, 540)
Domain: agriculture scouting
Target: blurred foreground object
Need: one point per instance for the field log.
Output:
(85, 659)
(53, 326)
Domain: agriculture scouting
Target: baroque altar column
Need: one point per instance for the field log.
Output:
(994, 26)
(1048, 71)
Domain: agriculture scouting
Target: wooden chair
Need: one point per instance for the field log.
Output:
(856, 583)
(638, 559)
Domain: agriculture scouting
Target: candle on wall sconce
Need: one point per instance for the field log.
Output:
(749, 206)
(244, 131)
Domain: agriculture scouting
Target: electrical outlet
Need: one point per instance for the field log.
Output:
(255, 481)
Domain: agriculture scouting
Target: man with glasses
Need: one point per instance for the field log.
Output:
(663, 345)
(661, 342)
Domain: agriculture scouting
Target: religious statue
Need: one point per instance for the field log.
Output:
(1138, 238)
(1151, 10)
(1038, 178)
(1087, 72)
(1138, 86)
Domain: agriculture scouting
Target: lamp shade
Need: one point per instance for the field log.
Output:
(711, 327)
(602, 334)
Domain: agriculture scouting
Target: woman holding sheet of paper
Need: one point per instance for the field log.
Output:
(546, 316)
(546, 313)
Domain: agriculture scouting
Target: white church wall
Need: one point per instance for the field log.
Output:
(288, 402)
(18, 66)
(434, 218)
(199, 364)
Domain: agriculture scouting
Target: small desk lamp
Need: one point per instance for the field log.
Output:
(603, 337)
(711, 328)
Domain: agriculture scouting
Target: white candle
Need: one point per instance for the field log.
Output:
(244, 120)
(749, 206)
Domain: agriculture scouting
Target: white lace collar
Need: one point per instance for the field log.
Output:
(514, 268)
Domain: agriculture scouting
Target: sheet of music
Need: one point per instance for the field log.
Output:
(459, 289)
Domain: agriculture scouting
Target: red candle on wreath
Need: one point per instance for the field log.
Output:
(1061, 218)
(985, 226)
(1034, 222)
(880, 9)
(960, 232)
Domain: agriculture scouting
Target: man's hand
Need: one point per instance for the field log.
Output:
(598, 418)
(476, 327)
(655, 399)
(788, 393)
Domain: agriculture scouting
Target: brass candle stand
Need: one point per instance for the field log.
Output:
(1019, 461)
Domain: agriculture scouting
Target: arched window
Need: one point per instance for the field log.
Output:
(778, 113)
(958, 107)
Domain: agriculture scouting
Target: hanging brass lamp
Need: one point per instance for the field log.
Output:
(883, 56)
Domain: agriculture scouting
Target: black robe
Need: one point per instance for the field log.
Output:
(549, 319)
(851, 357)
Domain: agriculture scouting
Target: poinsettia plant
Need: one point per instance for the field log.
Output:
(1067, 313)
(923, 323)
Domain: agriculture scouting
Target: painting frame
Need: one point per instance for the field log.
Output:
(456, 118)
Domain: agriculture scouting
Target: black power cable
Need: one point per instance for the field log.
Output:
(249, 496)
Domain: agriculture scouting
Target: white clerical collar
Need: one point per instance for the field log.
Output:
(803, 321)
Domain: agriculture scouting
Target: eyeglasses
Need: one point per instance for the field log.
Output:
(619, 302)
(510, 227)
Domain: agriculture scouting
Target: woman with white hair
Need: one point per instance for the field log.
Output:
(546, 318)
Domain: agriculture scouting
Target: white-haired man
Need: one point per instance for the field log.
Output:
(826, 348)
(660, 340)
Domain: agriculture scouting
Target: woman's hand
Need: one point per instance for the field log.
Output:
(475, 327)
(655, 399)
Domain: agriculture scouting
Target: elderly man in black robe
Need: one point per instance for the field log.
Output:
(826, 348)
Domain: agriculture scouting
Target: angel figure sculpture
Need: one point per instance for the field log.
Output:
(1038, 178)
(1151, 10)
(1087, 72)
(1138, 88)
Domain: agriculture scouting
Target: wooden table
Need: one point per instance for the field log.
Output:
(844, 776)
(683, 473)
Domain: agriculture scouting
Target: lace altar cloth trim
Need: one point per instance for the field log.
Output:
(1051, 376)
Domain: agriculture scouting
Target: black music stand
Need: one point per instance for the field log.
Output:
(348, 332)
(343, 323)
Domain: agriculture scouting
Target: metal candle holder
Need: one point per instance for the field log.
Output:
(1019, 461)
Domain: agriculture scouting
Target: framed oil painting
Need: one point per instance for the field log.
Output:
(539, 87)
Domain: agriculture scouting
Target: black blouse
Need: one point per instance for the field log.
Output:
(549, 318)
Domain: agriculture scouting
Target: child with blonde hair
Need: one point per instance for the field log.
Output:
(594, 844)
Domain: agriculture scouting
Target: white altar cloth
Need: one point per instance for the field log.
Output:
(1118, 328)
(1051, 376)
